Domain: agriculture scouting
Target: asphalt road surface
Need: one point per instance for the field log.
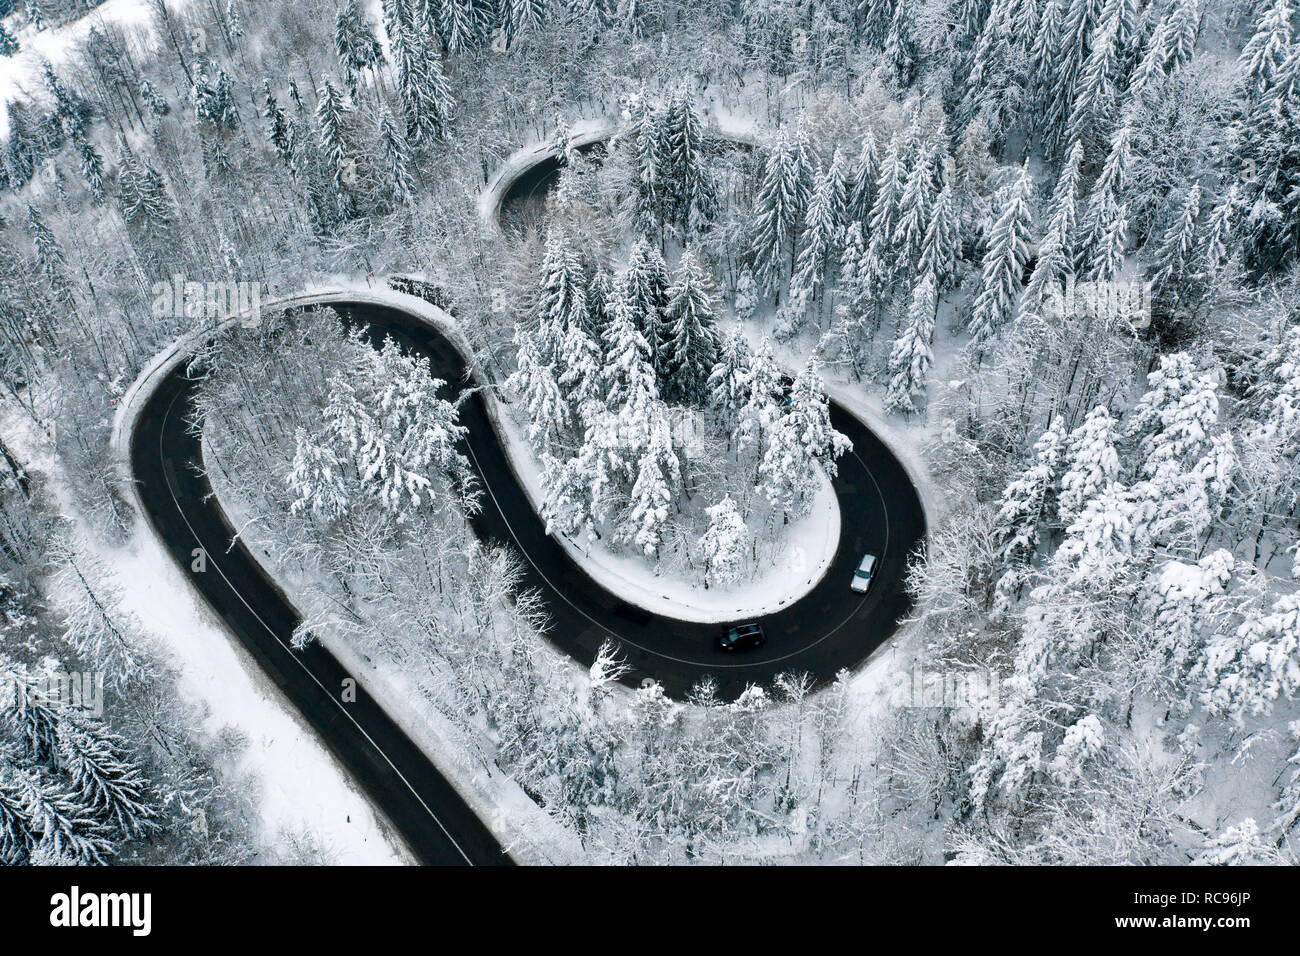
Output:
(830, 628)
(421, 804)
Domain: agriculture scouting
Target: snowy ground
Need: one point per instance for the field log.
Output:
(21, 74)
(527, 831)
(301, 788)
(808, 546)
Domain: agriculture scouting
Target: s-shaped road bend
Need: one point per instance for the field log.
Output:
(828, 629)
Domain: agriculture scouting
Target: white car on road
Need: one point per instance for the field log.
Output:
(862, 576)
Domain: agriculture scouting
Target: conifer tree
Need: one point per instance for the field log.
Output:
(779, 208)
(911, 358)
(329, 117)
(692, 344)
(1004, 263)
(823, 225)
(278, 131)
(1056, 250)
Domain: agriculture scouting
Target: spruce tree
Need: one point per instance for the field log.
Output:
(823, 224)
(1055, 262)
(1003, 266)
(329, 118)
(422, 87)
(397, 153)
(8, 42)
(861, 189)
(692, 344)
(277, 128)
(92, 168)
(911, 358)
(779, 208)
(644, 287)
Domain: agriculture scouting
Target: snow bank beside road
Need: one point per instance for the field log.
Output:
(809, 548)
(528, 833)
(301, 789)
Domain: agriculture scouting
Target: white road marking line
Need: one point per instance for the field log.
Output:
(659, 654)
(172, 492)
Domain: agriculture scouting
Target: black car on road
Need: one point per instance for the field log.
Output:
(742, 637)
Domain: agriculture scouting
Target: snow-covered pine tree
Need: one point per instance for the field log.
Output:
(16, 835)
(1246, 671)
(1055, 262)
(1218, 234)
(129, 178)
(50, 259)
(779, 208)
(1265, 145)
(747, 294)
(66, 832)
(658, 475)
(1183, 22)
(900, 48)
(155, 101)
(580, 370)
(394, 437)
(278, 131)
(724, 546)
(653, 164)
(460, 24)
(1175, 258)
(1041, 54)
(524, 15)
(692, 347)
(329, 118)
(1109, 242)
(355, 43)
(1187, 460)
(534, 381)
(563, 295)
(91, 627)
(823, 224)
(421, 85)
(104, 779)
(397, 152)
(1003, 266)
(1066, 64)
(316, 478)
(91, 165)
(916, 206)
(798, 441)
(941, 244)
(1105, 215)
(643, 286)
(71, 111)
(1268, 48)
(911, 358)
(1091, 462)
(694, 198)
(1095, 94)
(628, 374)
(860, 191)
(761, 388)
(1028, 503)
(599, 291)
(729, 376)
(886, 207)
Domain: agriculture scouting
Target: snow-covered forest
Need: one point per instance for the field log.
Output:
(1048, 249)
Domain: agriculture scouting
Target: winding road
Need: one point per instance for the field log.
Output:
(828, 629)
